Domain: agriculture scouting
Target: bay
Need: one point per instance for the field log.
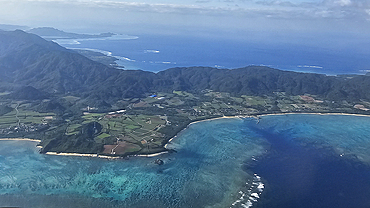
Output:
(280, 161)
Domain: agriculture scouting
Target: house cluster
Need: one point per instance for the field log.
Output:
(23, 128)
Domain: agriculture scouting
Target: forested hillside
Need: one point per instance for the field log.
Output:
(28, 60)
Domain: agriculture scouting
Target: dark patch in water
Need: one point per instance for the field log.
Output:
(306, 177)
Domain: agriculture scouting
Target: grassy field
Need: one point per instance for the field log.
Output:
(184, 94)
(253, 100)
(25, 116)
(71, 99)
(73, 129)
(133, 129)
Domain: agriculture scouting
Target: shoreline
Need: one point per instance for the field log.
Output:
(323, 114)
(82, 155)
(150, 155)
(103, 156)
(20, 139)
(256, 116)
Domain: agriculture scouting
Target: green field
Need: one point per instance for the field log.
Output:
(73, 129)
(254, 100)
(26, 117)
(129, 128)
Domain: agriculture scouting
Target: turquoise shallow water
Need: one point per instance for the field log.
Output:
(220, 163)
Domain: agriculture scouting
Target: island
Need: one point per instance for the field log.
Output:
(82, 107)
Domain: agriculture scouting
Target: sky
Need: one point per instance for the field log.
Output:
(338, 26)
(233, 16)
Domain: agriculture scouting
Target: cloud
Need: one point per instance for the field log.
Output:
(234, 14)
(271, 8)
(344, 2)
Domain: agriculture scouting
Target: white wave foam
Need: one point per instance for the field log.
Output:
(260, 187)
(67, 41)
(248, 204)
(255, 195)
(252, 195)
(308, 66)
(162, 62)
(151, 51)
(124, 58)
(107, 53)
(219, 67)
(364, 71)
(253, 199)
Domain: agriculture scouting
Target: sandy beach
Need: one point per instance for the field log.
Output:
(151, 155)
(82, 155)
(323, 114)
(19, 139)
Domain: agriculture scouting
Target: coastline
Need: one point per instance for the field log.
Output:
(103, 156)
(209, 119)
(150, 155)
(256, 116)
(82, 155)
(19, 139)
(334, 114)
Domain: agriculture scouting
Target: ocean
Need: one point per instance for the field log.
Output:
(294, 160)
(159, 52)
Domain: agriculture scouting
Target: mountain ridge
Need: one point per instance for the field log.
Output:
(28, 60)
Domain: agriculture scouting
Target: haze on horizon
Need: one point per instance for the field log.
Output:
(334, 25)
(273, 16)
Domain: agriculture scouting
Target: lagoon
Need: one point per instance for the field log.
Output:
(281, 161)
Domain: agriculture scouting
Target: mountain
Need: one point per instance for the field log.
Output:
(28, 60)
(252, 80)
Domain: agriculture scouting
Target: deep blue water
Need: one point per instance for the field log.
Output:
(307, 176)
(283, 161)
(160, 52)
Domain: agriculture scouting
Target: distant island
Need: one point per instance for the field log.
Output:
(91, 107)
(52, 33)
